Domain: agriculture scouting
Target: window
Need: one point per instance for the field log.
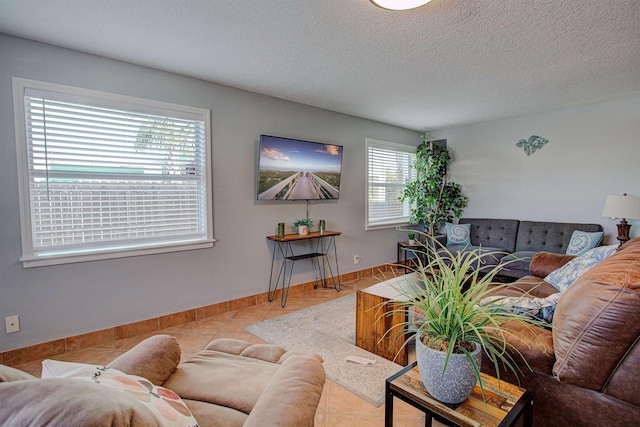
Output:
(389, 169)
(105, 176)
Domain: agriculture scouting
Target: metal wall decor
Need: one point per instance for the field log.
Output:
(534, 144)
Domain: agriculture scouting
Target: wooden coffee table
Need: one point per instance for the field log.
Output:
(506, 403)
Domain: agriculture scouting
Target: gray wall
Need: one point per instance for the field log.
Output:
(592, 152)
(60, 301)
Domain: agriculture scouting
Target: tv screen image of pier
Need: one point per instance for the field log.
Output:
(291, 169)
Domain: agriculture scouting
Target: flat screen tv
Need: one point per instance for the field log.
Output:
(292, 169)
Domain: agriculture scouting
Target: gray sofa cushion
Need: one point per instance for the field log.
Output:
(520, 265)
(493, 233)
(549, 236)
(488, 261)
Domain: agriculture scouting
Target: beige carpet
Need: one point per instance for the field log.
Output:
(328, 329)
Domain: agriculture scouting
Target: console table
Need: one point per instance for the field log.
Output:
(319, 245)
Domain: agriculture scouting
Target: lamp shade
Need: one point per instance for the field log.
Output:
(627, 207)
(399, 4)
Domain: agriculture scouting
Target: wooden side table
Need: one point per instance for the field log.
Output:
(403, 247)
(373, 320)
(374, 317)
(506, 403)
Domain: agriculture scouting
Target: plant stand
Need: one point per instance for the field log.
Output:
(506, 403)
(403, 248)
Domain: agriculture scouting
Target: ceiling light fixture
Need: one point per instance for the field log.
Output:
(399, 4)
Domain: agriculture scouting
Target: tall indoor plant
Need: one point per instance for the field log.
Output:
(434, 200)
(446, 311)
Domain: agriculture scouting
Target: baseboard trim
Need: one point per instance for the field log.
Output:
(90, 339)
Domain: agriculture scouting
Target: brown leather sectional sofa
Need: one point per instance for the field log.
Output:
(590, 372)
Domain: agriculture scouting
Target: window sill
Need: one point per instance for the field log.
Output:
(371, 227)
(68, 258)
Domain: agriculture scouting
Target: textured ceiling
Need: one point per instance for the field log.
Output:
(448, 63)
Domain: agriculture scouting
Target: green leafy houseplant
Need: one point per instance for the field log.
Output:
(445, 307)
(304, 221)
(302, 226)
(433, 199)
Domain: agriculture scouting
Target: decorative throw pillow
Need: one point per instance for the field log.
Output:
(581, 242)
(541, 308)
(458, 234)
(168, 408)
(564, 276)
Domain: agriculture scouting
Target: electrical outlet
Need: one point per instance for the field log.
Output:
(12, 324)
(356, 259)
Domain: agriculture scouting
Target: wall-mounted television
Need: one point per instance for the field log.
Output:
(292, 169)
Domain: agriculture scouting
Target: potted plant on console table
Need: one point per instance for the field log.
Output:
(452, 323)
(303, 226)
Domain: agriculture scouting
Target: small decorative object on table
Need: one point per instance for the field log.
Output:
(303, 226)
(623, 207)
(322, 226)
(412, 237)
(447, 315)
(281, 229)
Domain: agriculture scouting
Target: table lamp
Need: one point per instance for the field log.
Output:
(622, 207)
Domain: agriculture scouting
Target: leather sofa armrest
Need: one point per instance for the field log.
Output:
(544, 263)
(292, 396)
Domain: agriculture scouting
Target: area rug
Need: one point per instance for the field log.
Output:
(328, 329)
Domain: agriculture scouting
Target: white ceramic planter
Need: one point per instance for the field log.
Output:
(303, 230)
(459, 379)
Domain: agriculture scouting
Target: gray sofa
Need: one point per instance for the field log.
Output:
(520, 239)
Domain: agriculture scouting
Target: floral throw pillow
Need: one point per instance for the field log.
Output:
(167, 407)
(581, 242)
(564, 276)
(458, 234)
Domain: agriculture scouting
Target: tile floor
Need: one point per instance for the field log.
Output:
(338, 407)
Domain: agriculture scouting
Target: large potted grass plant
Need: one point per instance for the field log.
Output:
(452, 323)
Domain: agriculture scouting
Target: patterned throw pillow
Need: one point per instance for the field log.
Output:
(541, 308)
(581, 242)
(168, 408)
(561, 279)
(564, 276)
(458, 234)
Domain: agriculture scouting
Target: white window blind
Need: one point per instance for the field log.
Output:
(389, 169)
(110, 174)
